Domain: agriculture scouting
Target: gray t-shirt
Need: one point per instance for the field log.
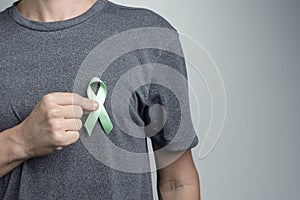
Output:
(37, 58)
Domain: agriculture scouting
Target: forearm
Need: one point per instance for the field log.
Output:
(185, 189)
(11, 152)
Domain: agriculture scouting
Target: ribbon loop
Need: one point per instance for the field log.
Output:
(101, 112)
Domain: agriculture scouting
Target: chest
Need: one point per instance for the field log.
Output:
(28, 72)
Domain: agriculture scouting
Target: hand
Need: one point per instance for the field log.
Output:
(54, 123)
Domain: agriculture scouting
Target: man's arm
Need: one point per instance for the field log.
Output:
(53, 124)
(180, 179)
(11, 153)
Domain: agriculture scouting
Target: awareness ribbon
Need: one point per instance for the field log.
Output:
(100, 113)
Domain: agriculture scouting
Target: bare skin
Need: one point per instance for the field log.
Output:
(55, 121)
(177, 177)
(53, 10)
(53, 124)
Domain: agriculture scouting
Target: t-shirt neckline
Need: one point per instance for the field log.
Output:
(57, 25)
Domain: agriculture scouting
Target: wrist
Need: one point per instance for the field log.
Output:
(16, 146)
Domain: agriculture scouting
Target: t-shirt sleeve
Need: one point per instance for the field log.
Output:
(167, 105)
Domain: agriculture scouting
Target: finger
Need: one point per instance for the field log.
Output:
(86, 112)
(71, 111)
(70, 137)
(72, 124)
(86, 104)
(63, 98)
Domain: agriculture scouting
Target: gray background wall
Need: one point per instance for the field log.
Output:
(256, 46)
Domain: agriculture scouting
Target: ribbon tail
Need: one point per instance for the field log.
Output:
(91, 122)
(105, 121)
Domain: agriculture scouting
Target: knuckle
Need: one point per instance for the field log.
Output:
(76, 136)
(73, 137)
(55, 124)
(53, 112)
(47, 99)
(78, 124)
(57, 139)
(78, 112)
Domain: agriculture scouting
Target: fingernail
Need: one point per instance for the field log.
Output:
(95, 105)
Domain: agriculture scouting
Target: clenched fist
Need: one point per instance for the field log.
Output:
(54, 123)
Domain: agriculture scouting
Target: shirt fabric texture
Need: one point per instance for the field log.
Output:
(37, 58)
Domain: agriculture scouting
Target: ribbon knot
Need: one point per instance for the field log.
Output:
(99, 114)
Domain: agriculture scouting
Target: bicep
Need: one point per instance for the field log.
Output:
(175, 166)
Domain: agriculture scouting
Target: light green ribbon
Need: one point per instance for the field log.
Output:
(100, 113)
